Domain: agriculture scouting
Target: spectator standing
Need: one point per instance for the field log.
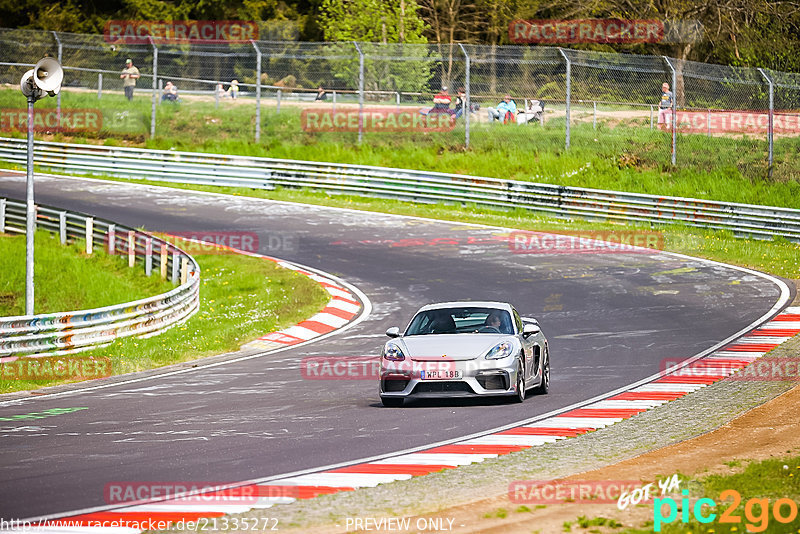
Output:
(461, 101)
(505, 110)
(665, 107)
(129, 76)
(322, 96)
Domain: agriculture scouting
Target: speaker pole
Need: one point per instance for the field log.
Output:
(30, 213)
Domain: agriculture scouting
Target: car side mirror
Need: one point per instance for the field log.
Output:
(393, 332)
(530, 329)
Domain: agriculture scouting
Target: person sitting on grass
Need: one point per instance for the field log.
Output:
(441, 102)
(505, 110)
(170, 93)
(233, 90)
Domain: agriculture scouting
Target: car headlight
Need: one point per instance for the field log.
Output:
(501, 350)
(392, 352)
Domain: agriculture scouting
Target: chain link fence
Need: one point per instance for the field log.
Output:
(745, 120)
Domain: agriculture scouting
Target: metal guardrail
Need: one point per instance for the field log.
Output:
(58, 333)
(409, 185)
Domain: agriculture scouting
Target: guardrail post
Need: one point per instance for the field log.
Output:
(58, 96)
(674, 158)
(771, 125)
(568, 97)
(360, 92)
(184, 269)
(258, 90)
(148, 255)
(99, 85)
(2, 215)
(176, 266)
(131, 248)
(155, 89)
(164, 261)
(466, 110)
(112, 238)
(89, 235)
(62, 227)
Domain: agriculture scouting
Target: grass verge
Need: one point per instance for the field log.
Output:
(66, 278)
(624, 155)
(241, 298)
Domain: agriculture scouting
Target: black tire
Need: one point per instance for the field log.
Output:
(520, 395)
(544, 386)
(392, 402)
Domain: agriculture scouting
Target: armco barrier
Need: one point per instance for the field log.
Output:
(409, 185)
(57, 333)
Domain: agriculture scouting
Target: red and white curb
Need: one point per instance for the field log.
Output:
(670, 385)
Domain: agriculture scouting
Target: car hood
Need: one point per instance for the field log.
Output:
(457, 347)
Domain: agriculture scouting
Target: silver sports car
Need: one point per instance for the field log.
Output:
(464, 349)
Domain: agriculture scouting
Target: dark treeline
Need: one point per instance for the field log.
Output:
(757, 33)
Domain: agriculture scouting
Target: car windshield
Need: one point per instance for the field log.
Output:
(461, 321)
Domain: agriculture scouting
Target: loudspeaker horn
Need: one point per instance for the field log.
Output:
(48, 75)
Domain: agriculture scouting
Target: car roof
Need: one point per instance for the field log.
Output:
(467, 304)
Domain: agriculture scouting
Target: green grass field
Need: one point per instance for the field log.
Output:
(66, 279)
(241, 299)
(626, 157)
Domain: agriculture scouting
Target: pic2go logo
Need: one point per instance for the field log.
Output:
(756, 511)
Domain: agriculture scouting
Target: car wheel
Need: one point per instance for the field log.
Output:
(392, 402)
(544, 386)
(520, 396)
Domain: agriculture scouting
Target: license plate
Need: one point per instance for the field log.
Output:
(453, 374)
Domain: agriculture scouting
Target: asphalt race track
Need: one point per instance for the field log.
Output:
(610, 318)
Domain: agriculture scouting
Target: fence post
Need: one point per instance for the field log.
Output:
(466, 109)
(148, 255)
(674, 158)
(58, 97)
(568, 97)
(89, 235)
(99, 85)
(163, 263)
(771, 125)
(131, 248)
(708, 122)
(594, 114)
(258, 90)
(278, 95)
(155, 89)
(334, 101)
(111, 235)
(651, 116)
(176, 266)
(2, 215)
(62, 227)
(160, 90)
(360, 93)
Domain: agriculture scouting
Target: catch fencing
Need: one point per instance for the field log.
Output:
(721, 117)
(74, 331)
(408, 185)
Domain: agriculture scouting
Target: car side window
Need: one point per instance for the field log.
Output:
(518, 321)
